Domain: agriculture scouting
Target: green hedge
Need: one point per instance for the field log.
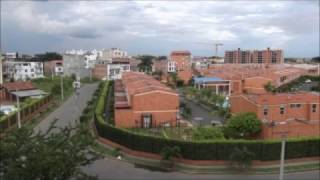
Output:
(24, 112)
(202, 150)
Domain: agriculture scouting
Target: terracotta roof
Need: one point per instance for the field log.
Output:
(185, 53)
(120, 60)
(242, 71)
(284, 98)
(136, 83)
(13, 86)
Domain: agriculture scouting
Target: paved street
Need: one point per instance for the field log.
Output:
(114, 169)
(71, 110)
(199, 114)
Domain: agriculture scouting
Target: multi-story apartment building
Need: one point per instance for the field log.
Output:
(142, 101)
(75, 65)
(54, 67)
(19, 70)
(267, 56)
(238, 56)
(180, 61)
(108, 54)
(117, 68)
(290, 114)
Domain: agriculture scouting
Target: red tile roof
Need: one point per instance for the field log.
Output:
(284, 98)
(13, 86)
(137, 83)
(180, 53)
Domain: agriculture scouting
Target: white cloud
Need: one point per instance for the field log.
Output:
(270, 22)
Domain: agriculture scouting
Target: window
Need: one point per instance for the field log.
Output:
(265, 111)
(314, 108)
(32, 70)
(295, 105)
(146, 120)
(26, 70)
(281, 109)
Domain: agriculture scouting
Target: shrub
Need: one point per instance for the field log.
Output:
(207, 133)
(243, 125)
(241, 158)
(168, 152)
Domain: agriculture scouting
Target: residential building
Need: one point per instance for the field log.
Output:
(19, 70)
(134, 64)
(100, 71)
(108, 54)
(142, 101)
(199, 62)
(11, 55)
(53, 68)
(181, 62)
(75, 52)
(117, 67)
(285, 114)
(251, 78)
(267, 56)
(9, 87)
(75, 65)
(217, 85)
(1, 76)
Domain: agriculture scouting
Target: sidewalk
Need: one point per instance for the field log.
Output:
(219, 168)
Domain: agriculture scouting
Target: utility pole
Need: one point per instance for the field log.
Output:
(18, 107)
(90, 72)
(61, 85)
(283, 146)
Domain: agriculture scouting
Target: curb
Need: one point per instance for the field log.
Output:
(215, 169)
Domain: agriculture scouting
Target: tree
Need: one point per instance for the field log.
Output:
(316, 59)
(269, 87)
(243, 125)
(162, 58)
(207, 133)
(48, 56)
(1, 114)
(167, 153)
(55, 154)
(146, 63)
(56, 89)
(241, 158)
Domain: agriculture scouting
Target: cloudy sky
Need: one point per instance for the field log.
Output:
(157, 27)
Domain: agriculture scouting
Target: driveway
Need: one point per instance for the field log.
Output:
(200, 115)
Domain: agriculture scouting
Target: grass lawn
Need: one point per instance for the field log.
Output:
(52, 85)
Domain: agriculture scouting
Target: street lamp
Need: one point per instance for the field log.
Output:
(61, 85)
(18, 107)
(283, 146)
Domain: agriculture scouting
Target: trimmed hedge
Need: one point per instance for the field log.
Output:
(10, 120)
(202, 150)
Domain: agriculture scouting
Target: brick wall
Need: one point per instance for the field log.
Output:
(162, 106)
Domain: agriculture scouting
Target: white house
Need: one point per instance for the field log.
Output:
(117, 67)
(108, 54)
(171, 66)
(1, 76)
(23, 70)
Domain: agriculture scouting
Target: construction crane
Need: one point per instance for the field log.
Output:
(216, 45)
(216, 48)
